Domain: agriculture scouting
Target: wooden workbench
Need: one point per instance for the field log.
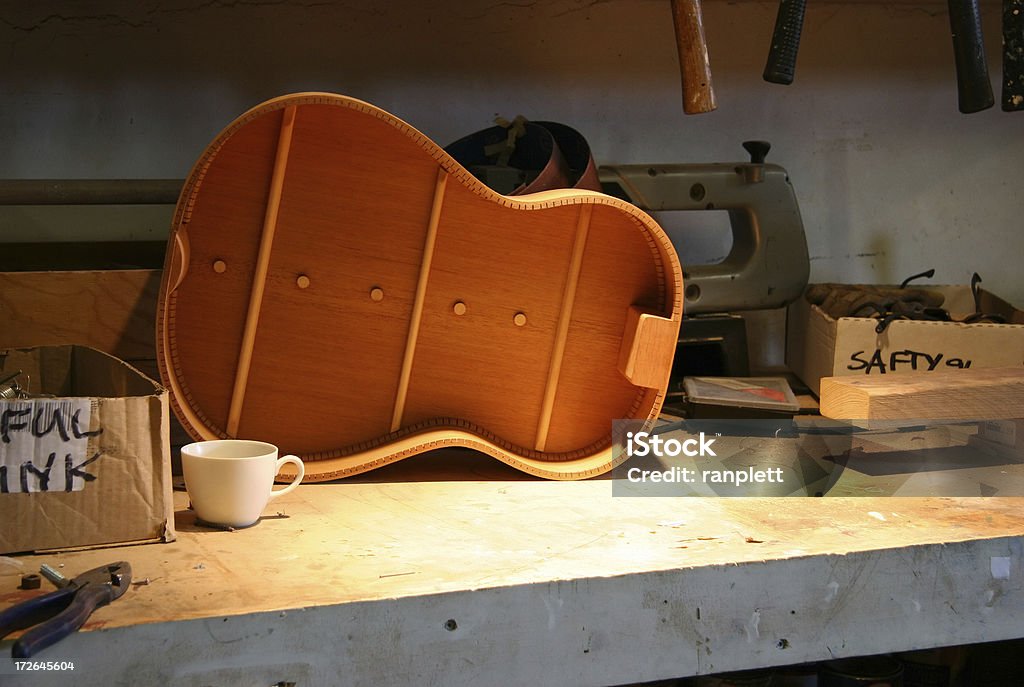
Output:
(453, 569)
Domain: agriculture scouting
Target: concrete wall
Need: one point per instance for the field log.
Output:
(890, 177)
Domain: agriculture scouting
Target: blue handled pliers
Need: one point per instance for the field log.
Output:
(59, 613)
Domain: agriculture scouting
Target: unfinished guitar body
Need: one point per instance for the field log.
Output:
(338, 285)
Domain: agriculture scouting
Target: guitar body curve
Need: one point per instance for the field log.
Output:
(339, 286)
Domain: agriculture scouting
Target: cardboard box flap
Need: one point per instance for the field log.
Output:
(75, 371)
(99, 374)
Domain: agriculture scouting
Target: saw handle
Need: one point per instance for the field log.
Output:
(694, 67)
(789, 23)
(974, 89)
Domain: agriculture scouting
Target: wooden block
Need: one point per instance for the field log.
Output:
(983, 394)
(648, 347)
(110, 310)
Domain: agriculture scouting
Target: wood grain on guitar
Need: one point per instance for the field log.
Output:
(338, 285)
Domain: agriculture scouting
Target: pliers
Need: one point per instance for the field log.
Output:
(60, 613)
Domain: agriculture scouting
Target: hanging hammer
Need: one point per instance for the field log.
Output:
(694, 68)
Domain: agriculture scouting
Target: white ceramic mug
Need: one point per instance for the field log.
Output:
(230, 481)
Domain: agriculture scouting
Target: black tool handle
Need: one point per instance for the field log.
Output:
(789, 22)
(973, 86)
(1013, 55)
(85, 601)
(33, 611)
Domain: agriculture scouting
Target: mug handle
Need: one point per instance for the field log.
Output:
(295, 460)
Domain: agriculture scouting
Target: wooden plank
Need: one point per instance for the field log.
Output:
(111, 310)
(593, 588)
(66, 256)
(982, 394)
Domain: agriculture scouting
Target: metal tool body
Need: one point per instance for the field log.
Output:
(768, 265)
(58, 614)
(10, 388)
(974, 89)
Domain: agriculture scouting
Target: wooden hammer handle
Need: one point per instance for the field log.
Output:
(694, 68)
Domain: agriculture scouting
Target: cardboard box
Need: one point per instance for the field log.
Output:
(819, 346)
(88, 466)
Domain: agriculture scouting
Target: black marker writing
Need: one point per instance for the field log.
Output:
(72, 471)
(905, 359)
(43, 423)
(79, 433)
(9, 422)
(56, 422)
(43, 475)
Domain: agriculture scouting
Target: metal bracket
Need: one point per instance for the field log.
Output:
(767, 266)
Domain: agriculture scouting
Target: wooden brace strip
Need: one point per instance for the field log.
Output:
(259, 279)
(564, 318)
(421, 293)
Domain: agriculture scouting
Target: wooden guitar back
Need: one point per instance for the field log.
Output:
(339, 286)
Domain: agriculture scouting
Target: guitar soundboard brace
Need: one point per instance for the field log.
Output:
(768, 266)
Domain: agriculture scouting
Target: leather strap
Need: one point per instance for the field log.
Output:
(547, 155)
(576, 150)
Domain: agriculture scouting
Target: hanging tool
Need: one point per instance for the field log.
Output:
(973, 86)
(694, 66)
(789, 23)
(58, 614)
(1013, 55)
